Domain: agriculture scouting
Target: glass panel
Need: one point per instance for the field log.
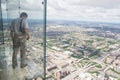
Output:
(34, 46)
(1, 26)
(83, 40)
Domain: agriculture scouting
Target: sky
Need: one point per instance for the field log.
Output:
(92, 10)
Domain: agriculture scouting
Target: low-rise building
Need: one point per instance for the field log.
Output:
(49, 68)
(109, 60)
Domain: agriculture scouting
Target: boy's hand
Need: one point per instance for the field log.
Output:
(27, 37)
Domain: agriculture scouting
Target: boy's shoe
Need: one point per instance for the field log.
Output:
(24, 65)
(14, 66)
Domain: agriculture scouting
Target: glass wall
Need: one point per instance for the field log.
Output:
(34, 46)
(1, 27)
(83, 40)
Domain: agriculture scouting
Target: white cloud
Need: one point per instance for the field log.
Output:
(72, 9)
(84, 9)
(34, 8)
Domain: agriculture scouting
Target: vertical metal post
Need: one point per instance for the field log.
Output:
(1, 22)
(19, 7)
(44, 43)
(7, 1)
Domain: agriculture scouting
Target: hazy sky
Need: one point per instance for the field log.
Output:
(100, 10)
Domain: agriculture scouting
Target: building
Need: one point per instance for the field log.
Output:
(49, 68)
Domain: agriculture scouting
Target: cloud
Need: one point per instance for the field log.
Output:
(3, 1)
(32, 7)
(70, 9)
(24, 4)
(84, 9)
(95, 3)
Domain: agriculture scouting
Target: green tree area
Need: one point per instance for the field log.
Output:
(77, 56)
(93, 72)
(115, 71)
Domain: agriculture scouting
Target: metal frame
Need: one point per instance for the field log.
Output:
(44, 39)
(1, 23)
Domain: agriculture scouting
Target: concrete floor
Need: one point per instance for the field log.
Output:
(31, 72)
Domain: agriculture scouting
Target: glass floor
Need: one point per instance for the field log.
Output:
(31, 72)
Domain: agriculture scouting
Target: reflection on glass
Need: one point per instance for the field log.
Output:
(34, 46)
(1, 27)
